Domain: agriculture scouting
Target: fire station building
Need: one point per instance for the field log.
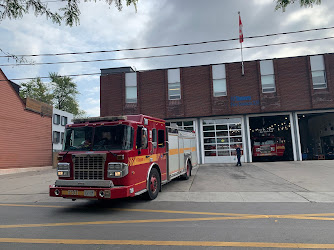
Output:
(277, 110)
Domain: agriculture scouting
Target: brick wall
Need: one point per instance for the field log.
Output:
(294, 91)
(152, 86)
(25, 136)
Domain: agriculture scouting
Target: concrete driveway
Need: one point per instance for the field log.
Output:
(309, 181)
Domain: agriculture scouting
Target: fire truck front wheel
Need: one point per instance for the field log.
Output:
(153, 185)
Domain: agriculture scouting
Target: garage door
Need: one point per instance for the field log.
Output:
(220, 139)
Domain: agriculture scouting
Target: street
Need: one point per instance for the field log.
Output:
(137, 224)
(258, 206)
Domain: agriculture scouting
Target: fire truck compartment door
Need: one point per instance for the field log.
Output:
(173, 156)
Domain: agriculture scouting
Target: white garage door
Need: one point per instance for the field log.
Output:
(220, 139)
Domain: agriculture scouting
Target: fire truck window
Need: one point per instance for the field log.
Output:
(138, 140)
(78, 138)
(161, 138)
(144, 138)
(115, 137)
(154, 137)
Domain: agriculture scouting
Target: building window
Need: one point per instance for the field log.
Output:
(62, 138)
(56, 137)
(63, 120)
(56, 119)
(131, 87)
(318, 72)
(174, 84)
(186, 125)
(219, 80)
(267, 76)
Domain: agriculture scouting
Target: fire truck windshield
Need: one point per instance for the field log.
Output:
(116, 137)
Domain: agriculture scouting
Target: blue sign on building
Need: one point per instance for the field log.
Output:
(243, 101)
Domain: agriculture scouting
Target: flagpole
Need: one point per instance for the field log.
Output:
(241, 41)
(242, 62)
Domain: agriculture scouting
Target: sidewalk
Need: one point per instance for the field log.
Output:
(310, 181)
(22, 170)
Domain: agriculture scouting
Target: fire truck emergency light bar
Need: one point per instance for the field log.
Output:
(99, 119)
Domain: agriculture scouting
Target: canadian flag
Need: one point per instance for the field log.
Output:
(241, 35)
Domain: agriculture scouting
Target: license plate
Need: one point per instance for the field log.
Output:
(70, 192)
(89, 193)
(86, 193)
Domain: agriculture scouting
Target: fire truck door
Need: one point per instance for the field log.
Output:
(160, 151)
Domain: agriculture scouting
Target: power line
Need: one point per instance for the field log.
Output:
(173, 45)
(47, 77)
(167, 55)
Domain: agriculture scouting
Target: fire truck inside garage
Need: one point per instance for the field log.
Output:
(271, 138)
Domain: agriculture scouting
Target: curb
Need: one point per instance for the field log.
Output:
(22, 170)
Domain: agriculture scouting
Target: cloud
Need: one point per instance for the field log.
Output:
(93, 112)
(163, 22)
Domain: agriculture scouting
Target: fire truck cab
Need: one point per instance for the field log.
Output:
(121, 156)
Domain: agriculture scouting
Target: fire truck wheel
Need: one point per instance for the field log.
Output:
(188, 173)
(153, 185)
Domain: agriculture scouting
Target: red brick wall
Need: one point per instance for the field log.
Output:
(196, 87)
(152, 86)
(243, 85)
(294, 90)
(25, 137)
(294, 83)
(324, 98)
(112, 94)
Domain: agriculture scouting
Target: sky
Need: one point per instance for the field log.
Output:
(158, 23)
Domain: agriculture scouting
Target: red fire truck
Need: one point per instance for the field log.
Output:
(123, 156)
(268, 146)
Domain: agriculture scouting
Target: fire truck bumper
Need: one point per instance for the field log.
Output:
(114, 192)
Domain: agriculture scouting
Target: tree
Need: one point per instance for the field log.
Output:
(282, 4)
(37, 90)
(64, 94)
(60, 93)
(14, 9)
(69, 14)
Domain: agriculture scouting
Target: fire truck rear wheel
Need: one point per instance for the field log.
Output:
(153, 185)
(188, 173)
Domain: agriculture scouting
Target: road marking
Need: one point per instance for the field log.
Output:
(319, 217)
(313, 215)
(179, 212)
(167, 243)
(128, 221)
(23, 205)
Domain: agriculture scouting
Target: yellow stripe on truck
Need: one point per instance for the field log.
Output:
(138, 160)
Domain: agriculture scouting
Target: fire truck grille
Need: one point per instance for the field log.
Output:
(89, 167)
(265, 150)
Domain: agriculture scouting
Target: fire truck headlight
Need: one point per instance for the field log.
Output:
(63, 169)
(117, 169)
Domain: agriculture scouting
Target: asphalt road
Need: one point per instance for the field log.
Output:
(138, 224)
(259, 206)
